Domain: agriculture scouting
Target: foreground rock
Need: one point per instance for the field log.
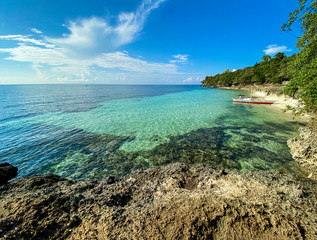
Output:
(177, 201)
(7, 172)
(304, 151)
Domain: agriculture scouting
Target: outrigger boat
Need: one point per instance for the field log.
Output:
(250, 101)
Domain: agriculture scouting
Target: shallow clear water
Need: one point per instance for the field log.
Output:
(80, 131)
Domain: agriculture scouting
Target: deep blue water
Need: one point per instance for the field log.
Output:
(88, 131)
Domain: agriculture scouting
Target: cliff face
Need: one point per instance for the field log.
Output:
(304, 151)
(177, 201)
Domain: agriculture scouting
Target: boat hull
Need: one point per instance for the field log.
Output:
(251, 102)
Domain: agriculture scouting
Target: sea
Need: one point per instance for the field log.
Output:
(92, 131)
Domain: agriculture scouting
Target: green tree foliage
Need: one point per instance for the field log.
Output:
(280, 55)
(300, 69)
(270, 70)
(266, 58)
(304, 66)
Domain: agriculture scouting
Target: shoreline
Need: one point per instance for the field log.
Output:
(174, 201)
(272, 93)
(302, 148)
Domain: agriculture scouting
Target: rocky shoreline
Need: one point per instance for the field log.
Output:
(177, 201)
(304, 151)
(304, 147)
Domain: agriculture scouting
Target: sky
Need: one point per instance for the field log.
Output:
(137, 41)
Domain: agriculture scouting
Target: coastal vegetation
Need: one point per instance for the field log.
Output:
(299, 70)
(269, 71)
(304, 66)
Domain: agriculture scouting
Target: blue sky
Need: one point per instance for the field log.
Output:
(137, 41)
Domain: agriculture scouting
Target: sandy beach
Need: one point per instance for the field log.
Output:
(272, 93)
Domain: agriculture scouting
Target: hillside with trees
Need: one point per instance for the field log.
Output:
(299, 70)
(269, 71)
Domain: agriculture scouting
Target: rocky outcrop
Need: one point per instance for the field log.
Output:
(176, 201)
(304, 151)
(7, 172)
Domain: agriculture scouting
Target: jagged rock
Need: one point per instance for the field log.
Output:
(7, 172)
(177, 201)
(304, 151)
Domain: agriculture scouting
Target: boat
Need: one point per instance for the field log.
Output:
(250, 101)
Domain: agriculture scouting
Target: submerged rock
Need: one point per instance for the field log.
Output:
(177, 201)
(304, 151)
(7, 172)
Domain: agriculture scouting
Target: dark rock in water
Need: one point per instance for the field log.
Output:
(177, 201)
(7, 172)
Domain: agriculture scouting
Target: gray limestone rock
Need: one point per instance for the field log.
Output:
(304, 151)
(177, 201)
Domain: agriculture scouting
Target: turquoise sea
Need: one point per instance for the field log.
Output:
(89, 131)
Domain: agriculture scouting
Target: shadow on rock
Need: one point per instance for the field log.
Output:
(177, 201)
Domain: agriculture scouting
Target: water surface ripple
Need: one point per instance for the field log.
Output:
(88, 131)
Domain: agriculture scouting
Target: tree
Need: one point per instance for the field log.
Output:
(304, 66)
(273, 71)
(307, 16)
(266, 58)
(280, 56)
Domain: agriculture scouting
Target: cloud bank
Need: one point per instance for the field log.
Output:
(94, 35)
(91, 44)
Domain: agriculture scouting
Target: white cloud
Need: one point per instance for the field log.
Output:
(129, 24)
(198, 79)
(36, 31)
(121, 77)
(89, 48)
(233, 70)
(123, 61)
(87, 36)
(59, 60)
(27, 40)
(95, 34)
(37, 55)
(180, 58)
(273, 48)
(190, 79)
